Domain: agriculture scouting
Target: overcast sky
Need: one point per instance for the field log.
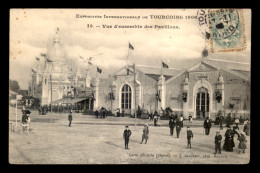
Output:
(32, 32)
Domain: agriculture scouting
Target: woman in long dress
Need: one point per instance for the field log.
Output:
(145, 134)
(229, 140)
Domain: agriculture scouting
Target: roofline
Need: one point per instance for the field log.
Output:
(228, 70)
(213, 65)
(157, 67)
(229, 61)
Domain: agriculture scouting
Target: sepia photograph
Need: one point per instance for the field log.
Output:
(129, 86)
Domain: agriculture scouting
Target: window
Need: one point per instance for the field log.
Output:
(126, 97)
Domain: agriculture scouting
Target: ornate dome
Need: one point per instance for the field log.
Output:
(57, 52)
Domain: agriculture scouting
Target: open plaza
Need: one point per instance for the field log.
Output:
(100, 141)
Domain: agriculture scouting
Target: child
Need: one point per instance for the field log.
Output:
(126, 135)
(145, 134)
(189, 136)
(190, 119)
(242, 142)
(218, 139)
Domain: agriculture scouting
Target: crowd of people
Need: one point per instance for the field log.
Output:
(177, 122)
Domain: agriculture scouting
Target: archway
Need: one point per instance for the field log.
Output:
(202, 99)
(202, 103)
(126, 98)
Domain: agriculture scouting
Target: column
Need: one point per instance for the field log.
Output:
(96, 93)
(186, 104)
(162, 91)
(220, 88)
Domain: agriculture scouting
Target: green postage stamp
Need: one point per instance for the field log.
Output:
(227, 30)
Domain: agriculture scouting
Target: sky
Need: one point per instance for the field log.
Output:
(32, 32)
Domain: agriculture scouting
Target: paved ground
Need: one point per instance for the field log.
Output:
(100, 141)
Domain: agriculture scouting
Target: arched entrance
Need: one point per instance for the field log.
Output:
(202, 99)
(125, 97)
(202, 103)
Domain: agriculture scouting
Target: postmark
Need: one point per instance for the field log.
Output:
(226, 28)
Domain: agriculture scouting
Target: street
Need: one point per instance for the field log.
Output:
(100, 141)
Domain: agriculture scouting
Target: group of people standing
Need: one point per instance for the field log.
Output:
(177, 122)
(103, 113)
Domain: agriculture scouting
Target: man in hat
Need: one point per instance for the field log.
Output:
(207, 126)
(178, 127)
(189, 136)
(218, 139)
(126, 135)
(96, 113)
(70, 118)
(171, 126)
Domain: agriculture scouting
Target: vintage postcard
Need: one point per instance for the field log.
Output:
(129, 86)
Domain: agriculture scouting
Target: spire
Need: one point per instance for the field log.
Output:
(57, 37)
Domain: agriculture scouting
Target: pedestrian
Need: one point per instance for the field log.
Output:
(126, 135)
(235, 130)
(242, 142)
(181, 119)
(70, 118)
(96, 113)
(178, 127)
(24, 117)
(155, 118)
(236, 121)
(171, 126)
(145, 134)
(229, 140)
(190, 118)
(207, 126)
(228, 120)
(221, 118)
(218, 139)
(189, 136)
(104, 114)
(175, 116)
(246, 127)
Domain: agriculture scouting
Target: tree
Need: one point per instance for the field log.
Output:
(14, 86)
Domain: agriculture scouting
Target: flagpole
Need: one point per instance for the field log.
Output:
(161, 68)
(127, 53)
(134, 94)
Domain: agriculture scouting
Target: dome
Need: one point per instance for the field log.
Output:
(57, 52)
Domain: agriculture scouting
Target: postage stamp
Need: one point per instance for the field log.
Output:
(227, 31)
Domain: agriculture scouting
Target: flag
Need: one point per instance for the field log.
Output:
(81, 57)
(130, 46)
(99, 70)
(37, 58)
(207, 35)
(164, 65)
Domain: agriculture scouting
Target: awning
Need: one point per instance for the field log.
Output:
(75, 100)
(60, 101)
